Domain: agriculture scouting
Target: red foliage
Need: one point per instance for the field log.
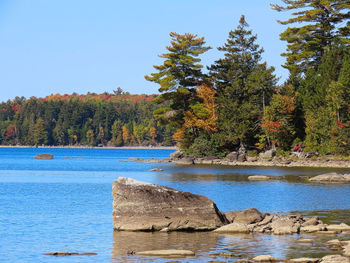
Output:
(10, 131)
(340, 125)
(14, 108)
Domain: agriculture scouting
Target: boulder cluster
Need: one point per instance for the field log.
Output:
(253, 221)
(140, 206)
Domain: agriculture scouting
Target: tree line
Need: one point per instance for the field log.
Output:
(116, 119)
(237, 103)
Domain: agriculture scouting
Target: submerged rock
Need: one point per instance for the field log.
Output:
(156, 170)
(265, 258)
(44, 156)
(139, 206)
(306, 241)
(330, 178)
(70, 254)
(338, 227)
(167, 253)
(258, 178)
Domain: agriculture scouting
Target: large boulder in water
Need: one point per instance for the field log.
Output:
(139, 206)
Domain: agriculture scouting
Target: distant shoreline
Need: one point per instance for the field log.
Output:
(93, 147)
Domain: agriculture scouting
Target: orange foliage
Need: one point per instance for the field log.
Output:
(126, 134)
(207, 123)
(179, 135)
(153, 132)
(272, 126)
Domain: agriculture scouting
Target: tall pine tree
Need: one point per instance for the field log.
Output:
(179, 75)
(320, 22)
(244, 86)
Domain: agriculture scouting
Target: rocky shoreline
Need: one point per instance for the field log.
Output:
(140, 206)
(236, 159)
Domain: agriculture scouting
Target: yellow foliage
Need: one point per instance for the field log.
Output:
(153, 132)
(207, 123)
(126, 134)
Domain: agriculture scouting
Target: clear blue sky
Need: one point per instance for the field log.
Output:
(66, 46)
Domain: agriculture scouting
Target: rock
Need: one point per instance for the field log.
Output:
(233, 228)
(153, 160)
(232, 157)
(337, 243)
(176, 155)
(338, 228)
(223, 254)
(325, 232)
(331, 178)
(304, 260)
(305, 241)
(242, 157)
(265, 258)
(346, 250)
(230, 216)
(70, 254)
(267, 219)
(155, 170)
(258, 178)
(248, 216)
(334, 259)
(167, 253)
(187, 160)
(284, 224)
(268, 154)
(44, 156)
(312, 229)
(311, 222)
(139, 206)
(252, 159)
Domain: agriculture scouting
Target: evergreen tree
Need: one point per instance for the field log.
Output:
(326, 99)
(179, 75)
(40, 133)
(321, 22)
(244, 86)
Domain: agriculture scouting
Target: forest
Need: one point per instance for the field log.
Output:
(215, 109)
(237, 102)
(117, 119)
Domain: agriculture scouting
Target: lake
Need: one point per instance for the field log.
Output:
(65, 204)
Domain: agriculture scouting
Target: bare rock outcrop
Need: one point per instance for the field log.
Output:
(139, 206)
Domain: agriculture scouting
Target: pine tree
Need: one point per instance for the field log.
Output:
(179, 75)
(325, 94)
(40, 133)
(244, 85)
(321, 22)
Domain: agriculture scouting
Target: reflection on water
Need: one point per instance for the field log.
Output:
(330, 216)
(211, 246)
(126, 242)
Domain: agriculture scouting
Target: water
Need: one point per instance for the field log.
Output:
(65, 204)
